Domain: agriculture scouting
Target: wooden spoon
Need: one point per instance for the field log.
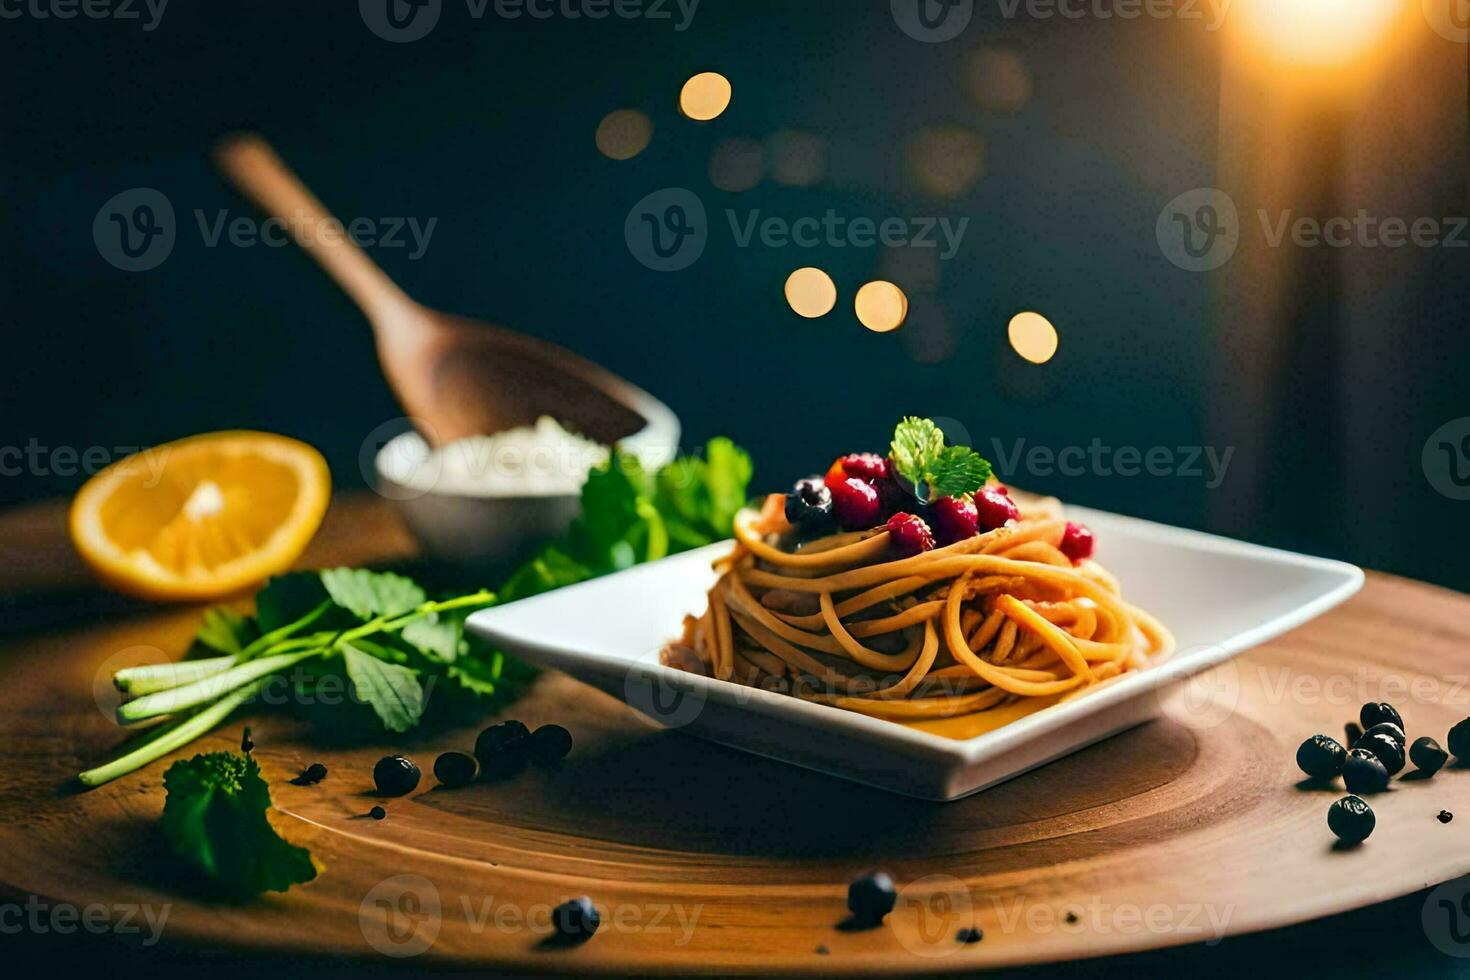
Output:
(454, 376)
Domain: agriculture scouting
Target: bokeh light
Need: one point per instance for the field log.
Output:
(811, 292)
(1318, 33)
(1033, 337)
(999, 80)
(623, 134)
(881, 306)
(798, 158)
(705, 96)
(737, 164)
(946, 160)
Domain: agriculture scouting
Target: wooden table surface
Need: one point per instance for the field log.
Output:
(1185, 830)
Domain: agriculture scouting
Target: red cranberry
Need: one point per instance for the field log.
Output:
(955, 519)
(855, 503)
(993, 507)
(868, 466)
(908, 535)
(1077, 542)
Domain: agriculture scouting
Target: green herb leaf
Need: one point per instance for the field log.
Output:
(551, 569)
(391, 690)
(215, 819)
(958, 470)
(286, 598)
(916, 445)
(368, 594)
(225, 631)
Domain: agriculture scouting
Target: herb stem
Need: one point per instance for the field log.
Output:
(203, 691)
(268, 640)
(160, 677)
(171, 738)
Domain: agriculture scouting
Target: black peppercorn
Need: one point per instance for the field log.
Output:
(971, 935)
(1427, 756)
(1374, 713)
(549, 745)
(395, 775)
(1321, 757)
(1459, 741)
(575, 921)
(871, 897)
(1364, 773)
(502, 749)
(1351, 819)
(1389, 752)
(1444, 816)
(456, 769)
(377, 813)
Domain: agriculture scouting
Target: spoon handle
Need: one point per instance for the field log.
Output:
(250, 162)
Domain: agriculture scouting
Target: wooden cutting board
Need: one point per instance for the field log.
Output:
(705, 859)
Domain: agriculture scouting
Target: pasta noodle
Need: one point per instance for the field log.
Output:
(1002, 618)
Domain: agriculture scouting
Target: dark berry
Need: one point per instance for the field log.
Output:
(1353, 731)
(893, 498)
(377, 813)
(855, 503)
(1389, 752)
(955, 519)
(549, 745)
(311, 775)
(501, 749)
(1427, 756)
(456, 769)
(864, 466)
(1362, 772)
(1444, 816)
(395, 775)
(871, 897)
(575, 921)
(1375, 712)
(1321, 757)
(809, 505)
(247, 744)
(1351, 819)
(1391, 730)
(993, 508)
(971, 935)
(1077, 542)
(908, 535)
(1459, 741)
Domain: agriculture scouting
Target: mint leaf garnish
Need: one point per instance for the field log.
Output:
(917, 443)
(958, 470)
(933, 469)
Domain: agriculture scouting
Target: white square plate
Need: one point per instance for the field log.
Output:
(1219, 596)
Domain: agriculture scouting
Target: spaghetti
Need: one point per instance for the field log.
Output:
(1001, 618)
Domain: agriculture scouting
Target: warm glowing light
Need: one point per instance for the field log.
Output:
(705, 96)
(881, 306)
(946, 160)
(1318, 33)
(623, 134)
(811, 292)
(1033, 337)
(999, 80)
(798, 158)
(737, 164)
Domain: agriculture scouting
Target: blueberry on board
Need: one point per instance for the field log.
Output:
(1390, 729)
(1351, 819)
(1379, 711)
(871, 897)
(549, 745)
(1389, 752)
(1364, 773)
(575, 921)
(1459, 741)
(1321, 757)
(501, 749)
(395, 775)
(456, 769)
(1427, 756)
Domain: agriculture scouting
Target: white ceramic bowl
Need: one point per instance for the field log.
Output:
(493, 533)
(1220, 597)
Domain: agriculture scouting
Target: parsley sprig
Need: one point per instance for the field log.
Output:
(932, 468)
(391, 642)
